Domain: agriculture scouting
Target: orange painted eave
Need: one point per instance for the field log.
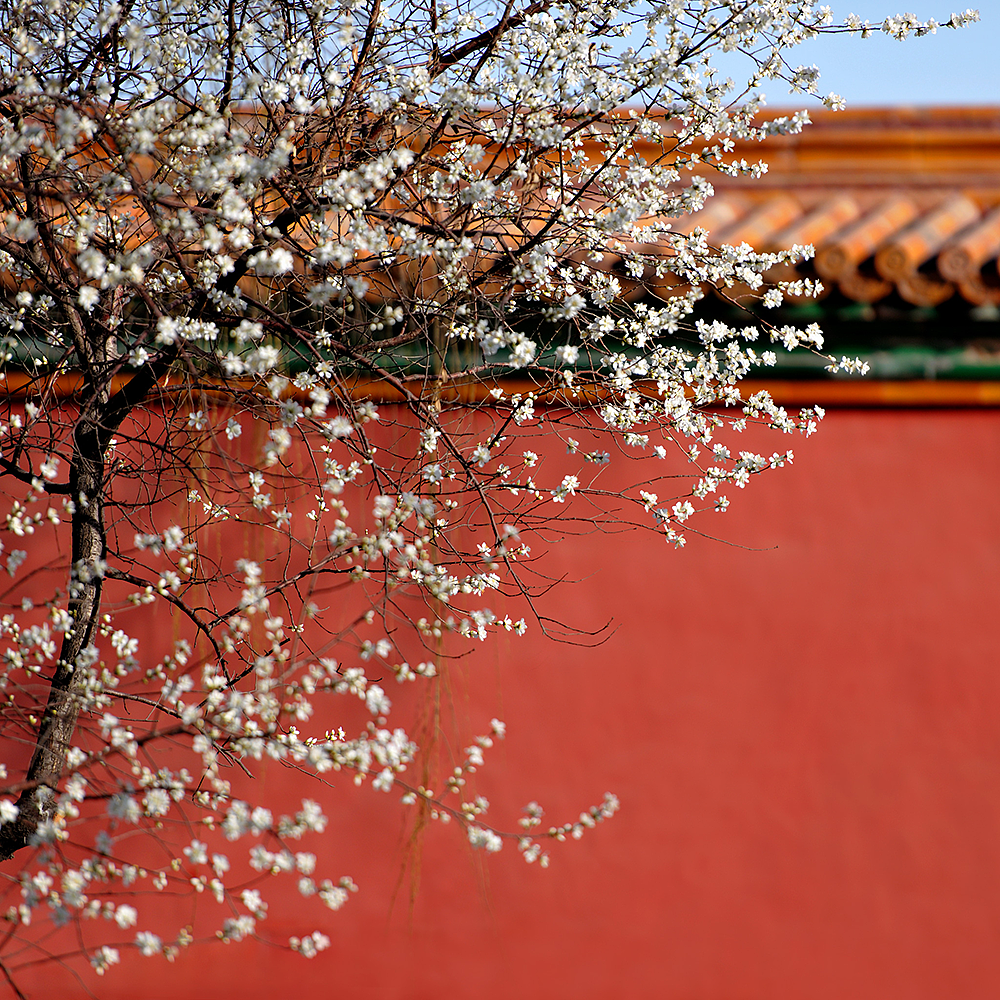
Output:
(845, 393)
(881, 393)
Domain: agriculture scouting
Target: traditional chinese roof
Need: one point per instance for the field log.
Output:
(900, 199)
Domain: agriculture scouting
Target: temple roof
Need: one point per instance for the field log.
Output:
(894, 199)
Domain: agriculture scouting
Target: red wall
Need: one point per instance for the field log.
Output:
(804, 734)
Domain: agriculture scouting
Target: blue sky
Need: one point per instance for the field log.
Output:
(950, 67)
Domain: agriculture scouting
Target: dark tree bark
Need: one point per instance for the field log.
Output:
(101, 415)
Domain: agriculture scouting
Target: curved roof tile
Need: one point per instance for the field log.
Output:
(892, 199)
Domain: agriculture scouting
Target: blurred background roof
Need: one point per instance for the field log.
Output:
(895, 200)
(902, 205)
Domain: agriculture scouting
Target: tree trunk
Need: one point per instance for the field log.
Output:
(101, 415)
(70, 679)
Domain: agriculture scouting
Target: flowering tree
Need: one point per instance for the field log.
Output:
(288, 288)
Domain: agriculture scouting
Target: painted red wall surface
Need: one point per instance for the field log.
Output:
(804, 734)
